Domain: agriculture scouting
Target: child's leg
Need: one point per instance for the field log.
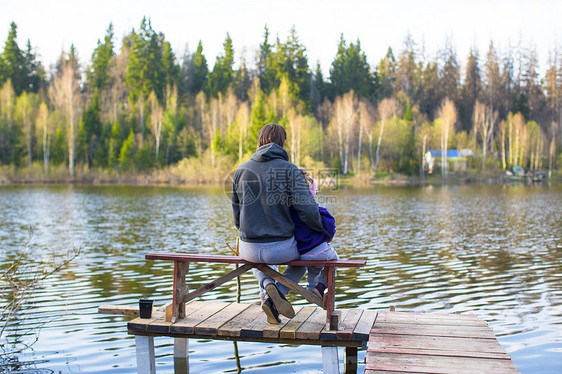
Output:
(323, 252)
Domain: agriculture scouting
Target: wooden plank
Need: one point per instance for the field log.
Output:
(388, 372)
(431, 330)
(327, 334)
(310, 329)
(436, 342)
(365, 324)
(138, 324)
(187, 325)
(290, 329)
(211, 285)
(429, 319)
(384, 314)
(259, 327)
(191, 257)
(348, 324)
(234, 326)
(159, 325)
(141, 324)
(457, 351)
(290, 284)
(211, 325)
(125, 310)
(437, 364)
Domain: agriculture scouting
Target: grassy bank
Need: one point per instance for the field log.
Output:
(202, 171)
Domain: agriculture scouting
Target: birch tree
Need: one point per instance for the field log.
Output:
(448, 116)
(65, 94)
(25, 109)
(243, 122)
(42, 122)
(342, 124)
(156, 115)
(366, 125)
(386, 109)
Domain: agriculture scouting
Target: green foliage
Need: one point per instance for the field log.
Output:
(19, 66)
(115, 141)
(257, 120)
(214, 117)
(127, 153)
(222, 75)
(59, 151)
(350, 71)
(196, 71)
(266, 69)
(102, 58)
(144, 160)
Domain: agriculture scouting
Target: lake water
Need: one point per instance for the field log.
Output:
(494, 251)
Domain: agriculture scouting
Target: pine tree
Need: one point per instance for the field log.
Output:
(265, 65)
(102, 58)
(35, 79)
(471, 90)
(114, 145)
(350, 71)
(196, 71)
(222, 75)
(450, 74)
(90, 133)
(387, 72)
(406, 72)
(12, 62)
(431, 94)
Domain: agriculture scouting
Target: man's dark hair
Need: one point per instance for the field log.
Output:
(272, 133)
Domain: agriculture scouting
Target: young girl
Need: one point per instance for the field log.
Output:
(315, 246)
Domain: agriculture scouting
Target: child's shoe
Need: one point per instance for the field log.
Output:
(318, 290)
(281, 304)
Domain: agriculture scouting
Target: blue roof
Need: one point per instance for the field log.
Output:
(449, 153)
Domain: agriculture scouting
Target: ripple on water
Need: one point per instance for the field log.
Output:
(485, 250)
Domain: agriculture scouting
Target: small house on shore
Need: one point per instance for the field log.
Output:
(456, 160)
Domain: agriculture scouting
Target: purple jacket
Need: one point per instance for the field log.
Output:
(307, 238)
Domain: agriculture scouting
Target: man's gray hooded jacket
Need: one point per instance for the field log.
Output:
(263, 189)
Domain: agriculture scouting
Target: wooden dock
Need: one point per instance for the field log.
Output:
(396, 342)
(234, 321)
(434, 343)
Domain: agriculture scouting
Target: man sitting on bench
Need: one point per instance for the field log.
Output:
(263, 190)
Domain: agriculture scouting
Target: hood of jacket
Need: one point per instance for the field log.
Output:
(269, 152)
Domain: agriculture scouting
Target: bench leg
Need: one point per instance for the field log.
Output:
(181, 356)
(350, 360)
(145, 354)
(330, 363)
(180, 290)
(329, 297)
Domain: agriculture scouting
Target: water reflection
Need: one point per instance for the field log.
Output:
(488, 250)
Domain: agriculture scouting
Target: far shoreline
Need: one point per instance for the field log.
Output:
(361, 181)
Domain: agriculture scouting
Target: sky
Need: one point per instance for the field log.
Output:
(53, 25)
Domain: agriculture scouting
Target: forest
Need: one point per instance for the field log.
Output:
(136, 108)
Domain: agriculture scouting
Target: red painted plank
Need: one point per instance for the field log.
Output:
(435, 342)
(437, 364)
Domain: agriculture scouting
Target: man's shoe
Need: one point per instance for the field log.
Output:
(283, 306)
(272, 314)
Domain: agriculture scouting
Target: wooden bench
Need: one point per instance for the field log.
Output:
(182, 294)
